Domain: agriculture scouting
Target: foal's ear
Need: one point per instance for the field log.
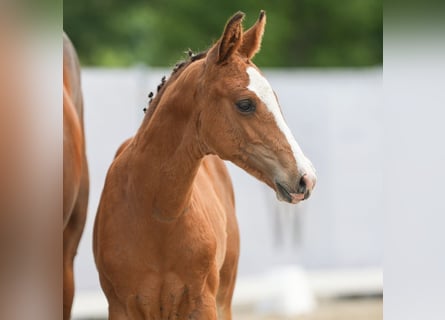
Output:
(252, 38)
(230, 40)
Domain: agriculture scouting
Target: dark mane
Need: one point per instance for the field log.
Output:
(176, 72)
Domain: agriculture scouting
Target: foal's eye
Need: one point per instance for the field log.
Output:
(245, 106)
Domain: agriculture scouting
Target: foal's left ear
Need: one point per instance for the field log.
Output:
(252, 38)
(230, 40)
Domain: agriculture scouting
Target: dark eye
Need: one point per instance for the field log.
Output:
(245, 106)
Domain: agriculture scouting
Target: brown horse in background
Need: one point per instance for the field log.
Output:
(75, 169)
(166, 239)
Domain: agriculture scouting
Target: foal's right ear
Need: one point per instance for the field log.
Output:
(231, 39)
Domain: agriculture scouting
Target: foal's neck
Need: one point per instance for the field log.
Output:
(167, 157)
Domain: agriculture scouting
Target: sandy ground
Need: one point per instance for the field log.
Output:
(352, 309)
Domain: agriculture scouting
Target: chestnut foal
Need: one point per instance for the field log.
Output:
(75, 170)
(166, 239)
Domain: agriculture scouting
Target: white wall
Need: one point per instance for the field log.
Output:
(336, 118)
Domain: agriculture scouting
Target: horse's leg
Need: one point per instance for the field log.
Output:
(71, 237)
(228, 272)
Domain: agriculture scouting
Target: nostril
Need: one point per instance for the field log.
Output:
(302, 185)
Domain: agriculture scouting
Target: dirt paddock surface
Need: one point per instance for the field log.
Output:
(340, 309)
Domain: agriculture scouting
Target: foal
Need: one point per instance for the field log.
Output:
(166, 239)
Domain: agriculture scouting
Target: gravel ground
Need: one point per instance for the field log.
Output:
(341, 309)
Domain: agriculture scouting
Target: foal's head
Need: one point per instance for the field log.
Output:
(241, 120)
(238, 115)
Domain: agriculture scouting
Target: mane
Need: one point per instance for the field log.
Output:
(176, 72)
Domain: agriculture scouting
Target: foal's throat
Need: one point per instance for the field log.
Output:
(167, 157)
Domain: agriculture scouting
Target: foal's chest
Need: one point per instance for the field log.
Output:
(200, 237)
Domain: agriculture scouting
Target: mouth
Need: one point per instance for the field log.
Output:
(284, 195)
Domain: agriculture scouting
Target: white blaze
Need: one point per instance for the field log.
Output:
(261, 87)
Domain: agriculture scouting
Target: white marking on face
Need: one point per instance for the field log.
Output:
(261, 87)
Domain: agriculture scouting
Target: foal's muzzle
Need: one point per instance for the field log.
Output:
(300, 191)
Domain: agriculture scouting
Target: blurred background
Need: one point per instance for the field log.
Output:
(302, 33)
(318, 260)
